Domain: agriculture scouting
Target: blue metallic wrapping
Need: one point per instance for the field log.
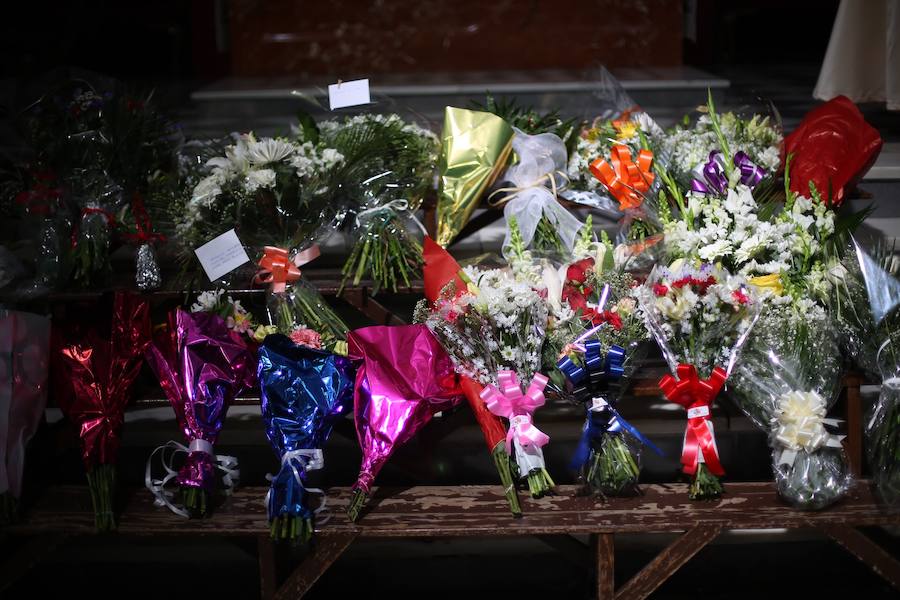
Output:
(303, 393)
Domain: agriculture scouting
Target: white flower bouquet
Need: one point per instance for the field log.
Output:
(786, 380)
(700, 317)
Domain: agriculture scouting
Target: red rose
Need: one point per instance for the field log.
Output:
(577, 271)
(660, 290)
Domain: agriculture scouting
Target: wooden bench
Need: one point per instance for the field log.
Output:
(475, 511)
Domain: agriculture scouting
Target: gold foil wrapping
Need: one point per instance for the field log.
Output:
(476, 147)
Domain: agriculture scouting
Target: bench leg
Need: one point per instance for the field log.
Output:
(668, 562)
(327, 549)
(268, 571)
(859, 545)
(606, 563)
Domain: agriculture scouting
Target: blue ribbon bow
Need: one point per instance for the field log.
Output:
(591, 381)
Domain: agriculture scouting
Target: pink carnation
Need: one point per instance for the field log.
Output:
(306, 337)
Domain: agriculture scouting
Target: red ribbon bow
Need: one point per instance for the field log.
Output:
(277, 269)
(696, 396)
(144, 233)
(625, 179)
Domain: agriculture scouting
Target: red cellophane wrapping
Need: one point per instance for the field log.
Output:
(833, 147)
(93, 367)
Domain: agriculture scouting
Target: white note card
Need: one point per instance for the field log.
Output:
(348, 93)
(222, 255)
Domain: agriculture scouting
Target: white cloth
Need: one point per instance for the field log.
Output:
(863, 57)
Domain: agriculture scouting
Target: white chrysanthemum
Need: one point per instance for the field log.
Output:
(268, 150)
(260, 178)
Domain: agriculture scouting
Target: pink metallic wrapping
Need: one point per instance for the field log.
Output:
(201, 365)
(93, 372)
(404, 377)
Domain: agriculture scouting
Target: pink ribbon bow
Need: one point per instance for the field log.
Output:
(511, 403)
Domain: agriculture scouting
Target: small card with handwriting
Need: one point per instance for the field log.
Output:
(222, 255)
(348, 93)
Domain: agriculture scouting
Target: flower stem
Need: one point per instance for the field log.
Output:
(705, 485)
(502, 462)
(357, 501)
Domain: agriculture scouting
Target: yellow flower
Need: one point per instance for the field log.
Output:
(769, 282)
(340, 347)
(262, 331)
(626, 129)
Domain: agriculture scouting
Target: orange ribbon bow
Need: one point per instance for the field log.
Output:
(625, 179)
(696, 395)
(277, 269)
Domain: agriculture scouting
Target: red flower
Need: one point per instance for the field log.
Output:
(606, 316)
(575, 298)
(659, 289)
(741, 296)
(577, 271)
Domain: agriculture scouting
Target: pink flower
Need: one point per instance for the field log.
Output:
(306, 337)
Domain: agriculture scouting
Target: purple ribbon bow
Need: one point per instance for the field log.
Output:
(714, 173)
(509, 402)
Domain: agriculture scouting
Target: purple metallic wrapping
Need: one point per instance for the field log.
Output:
(201, 365)
(403, 378)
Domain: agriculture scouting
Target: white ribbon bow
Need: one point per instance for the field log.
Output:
(800, 425)
(303, 460)
(163, 497)
(396, 206)
(542, 158)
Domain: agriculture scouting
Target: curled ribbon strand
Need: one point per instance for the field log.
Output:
(276, 269)
(628, 181)
(696, 396)
(509, 402)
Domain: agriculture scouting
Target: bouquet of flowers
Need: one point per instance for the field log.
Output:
(403, 378)
(24, 357)
(786, 380)
(203, 359)
(304, 391)
(277, 194)
(105, 147)
(93, 369)
(395, 181)
(700, 317)
(688, 146)
(593, 366)
(493, 329)
(865, 304)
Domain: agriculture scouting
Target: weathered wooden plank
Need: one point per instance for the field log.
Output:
(268, 571)
(325, 551)
(604, 545)
(668, 561)
(859, 545)
(459, 511)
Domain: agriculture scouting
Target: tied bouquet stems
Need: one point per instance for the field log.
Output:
(864, 303)
(787, 379)
(700, 318)
(495, 324)
(384, 250)
(403, 379)
(304, 391)
(94, 367)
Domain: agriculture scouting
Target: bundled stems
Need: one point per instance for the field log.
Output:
(705, 485)
(195, 501)
(612, 469)
(884, 447)
(504, 469)
(102, 484)
(539, 483)
(357, 501)
(314, 312)
(546, 237)
(385, 251)
(291, 528)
